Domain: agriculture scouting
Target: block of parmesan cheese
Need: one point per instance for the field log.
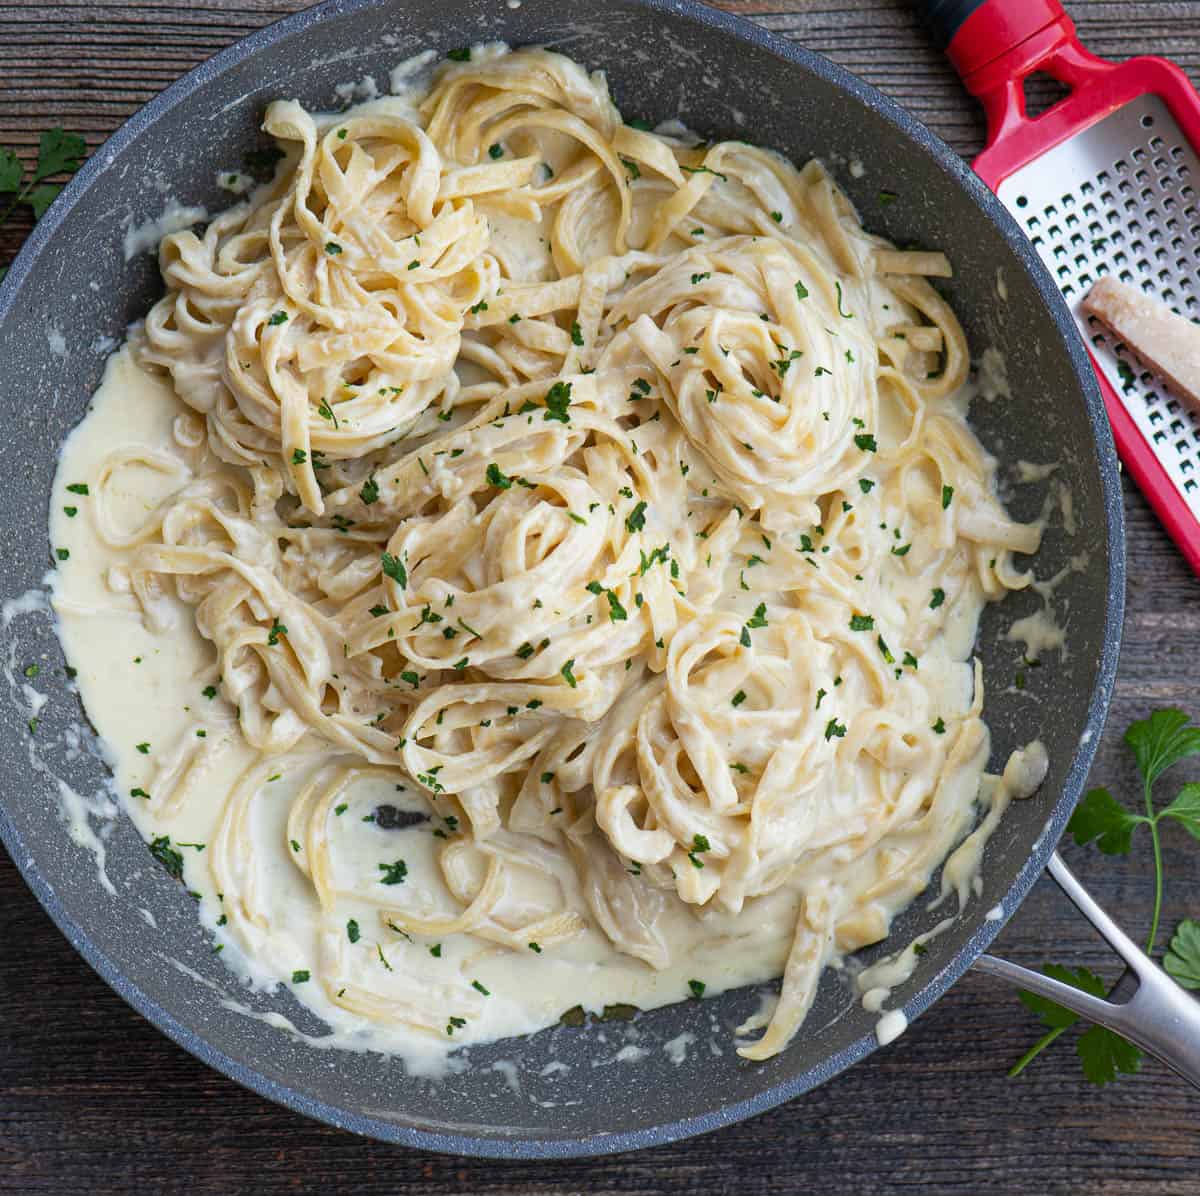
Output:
(1167, 343)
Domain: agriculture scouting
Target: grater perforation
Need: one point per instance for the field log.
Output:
(1131, 210)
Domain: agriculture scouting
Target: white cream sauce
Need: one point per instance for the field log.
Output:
(145, 692)
(142, 688)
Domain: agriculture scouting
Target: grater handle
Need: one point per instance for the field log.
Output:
(994, 45)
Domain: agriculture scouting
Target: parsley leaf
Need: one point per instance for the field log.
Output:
(1185, 809)
(1104, 1055)
(58, 153)
(1163, 739)
(1158, 742)
(1183, 956)
(1101, 819)
(1053, 1015)
(11, 172)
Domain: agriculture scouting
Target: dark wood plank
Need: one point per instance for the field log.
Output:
(94, 1099)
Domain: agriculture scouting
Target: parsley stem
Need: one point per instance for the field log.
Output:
(1034, 1051)
(1152, 818)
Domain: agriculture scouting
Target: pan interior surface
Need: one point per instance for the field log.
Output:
(564, 1091)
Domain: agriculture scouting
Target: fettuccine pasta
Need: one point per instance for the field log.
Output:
(607, 493)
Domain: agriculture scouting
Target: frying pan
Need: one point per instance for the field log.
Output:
(70, 295)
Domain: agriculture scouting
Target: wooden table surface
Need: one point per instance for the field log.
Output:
(93, 1099)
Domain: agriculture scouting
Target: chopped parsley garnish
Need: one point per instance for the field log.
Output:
(525, 651)
(370, 491)
(144, 748)
(862, 622)
(436, 951)
(739, 697)
(866, 485)
(947, 496)
(497, 477)
(884, 651)
(352, 931)
(277, 629)
(479, 988)
(495, 150)
(939, 596)
(866, 442)
(568, 674)
(697, 987)
(834, 728)
(460, 55)
(635, 521)
(301, 976)
(699, 278)
(844, 314)
(558, 399)
(704, 170)
(393, 567)
(393, 874)
(280, 317)
(332, 248)
(326, 412)
(635, 171)
(576, 334)
(939, 727)
(535, 948)
(167, 856)
(801, 290)
(78, 488)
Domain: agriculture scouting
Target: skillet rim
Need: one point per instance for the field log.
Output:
(913, 132)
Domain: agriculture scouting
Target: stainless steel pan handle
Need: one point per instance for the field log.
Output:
(1160, 1016)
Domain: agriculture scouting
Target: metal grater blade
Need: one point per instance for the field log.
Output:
(1119, 199)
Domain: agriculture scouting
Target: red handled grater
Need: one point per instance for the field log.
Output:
(1103, 182)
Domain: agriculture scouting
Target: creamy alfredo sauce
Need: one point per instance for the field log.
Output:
(154, 693)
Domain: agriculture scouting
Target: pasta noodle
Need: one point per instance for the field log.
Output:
(610, 490)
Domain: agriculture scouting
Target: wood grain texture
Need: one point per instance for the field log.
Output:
(93, 1099)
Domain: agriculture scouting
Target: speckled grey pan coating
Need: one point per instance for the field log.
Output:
(727, 79)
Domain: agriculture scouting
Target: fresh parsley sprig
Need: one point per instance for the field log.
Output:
(59, 153)
(1157, 743)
